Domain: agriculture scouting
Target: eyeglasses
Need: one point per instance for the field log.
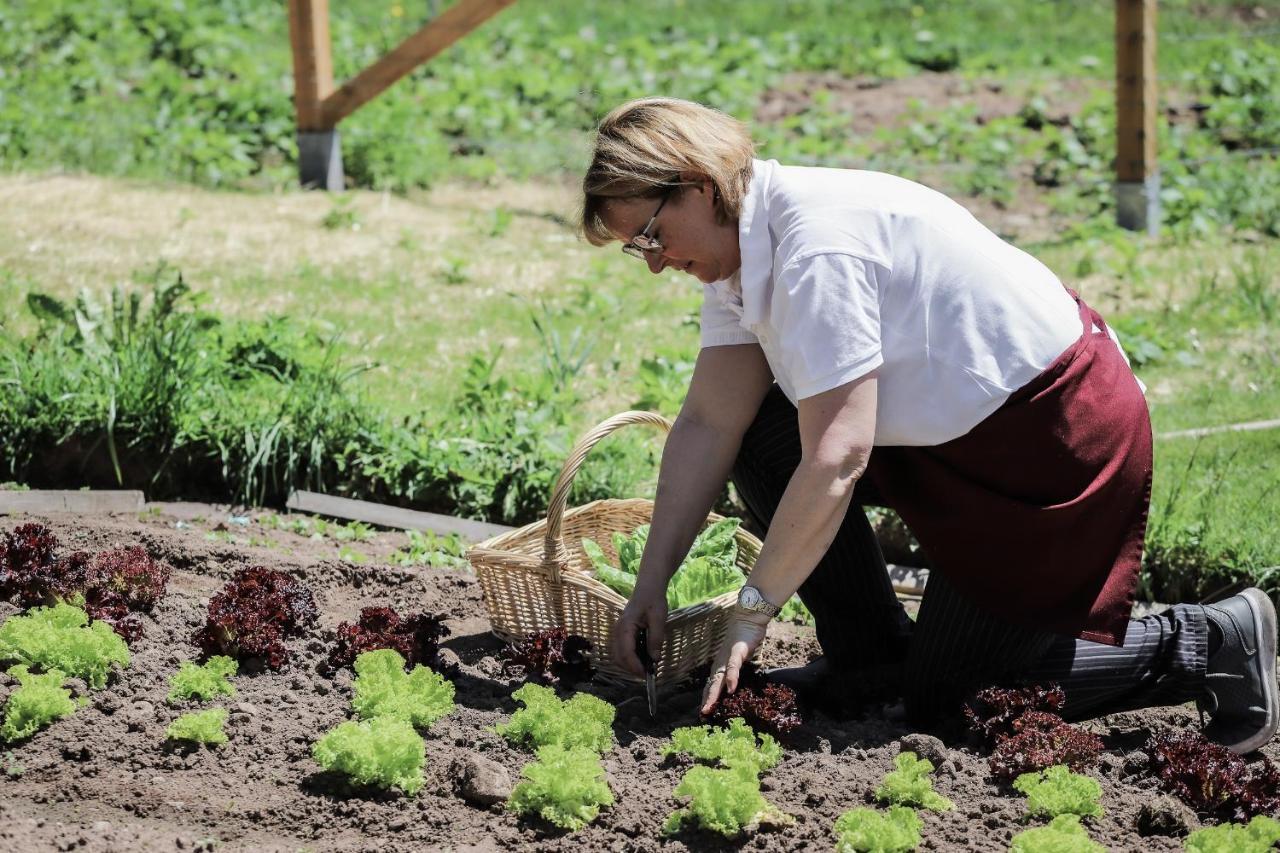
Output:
(642, 242)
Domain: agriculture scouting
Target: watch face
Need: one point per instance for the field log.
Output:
(749, 597)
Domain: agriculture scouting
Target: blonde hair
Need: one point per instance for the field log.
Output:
(642, 147)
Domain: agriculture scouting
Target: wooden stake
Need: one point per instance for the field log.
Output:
(1137, 176)
(454, 23)
(312, 61)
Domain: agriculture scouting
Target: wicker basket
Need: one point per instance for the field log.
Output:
(537, 577)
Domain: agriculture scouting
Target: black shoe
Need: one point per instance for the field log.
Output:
(1241, 680)
(837, 692)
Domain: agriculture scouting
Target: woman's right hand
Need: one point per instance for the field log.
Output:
(646, 609)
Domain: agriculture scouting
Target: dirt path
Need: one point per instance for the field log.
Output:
(102, 780)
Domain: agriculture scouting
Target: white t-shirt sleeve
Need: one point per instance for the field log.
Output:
(720, 326)
(826, 311)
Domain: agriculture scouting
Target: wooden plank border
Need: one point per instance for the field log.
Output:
(392, 516)
(68, 500)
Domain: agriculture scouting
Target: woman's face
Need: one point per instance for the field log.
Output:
(692, 241)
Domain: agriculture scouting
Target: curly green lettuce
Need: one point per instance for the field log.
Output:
(382, 688)
(200, 727)
(385, 752)
(1058, 791)
(909, 785)
(727, 801)
(582, 720)
(732, 747)
(1064, 834)
(1257, 836)
(61, 637)
(565, 787)
(859, 830)
(193, 681)
(39, 700)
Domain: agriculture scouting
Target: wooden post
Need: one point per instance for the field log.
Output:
(452, 24)
(1137, 174)
(319, 147)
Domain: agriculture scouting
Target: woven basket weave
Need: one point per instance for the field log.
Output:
(538, 577)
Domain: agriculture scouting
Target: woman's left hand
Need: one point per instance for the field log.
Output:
(744, 635)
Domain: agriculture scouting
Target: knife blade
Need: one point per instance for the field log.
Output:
(650, 674)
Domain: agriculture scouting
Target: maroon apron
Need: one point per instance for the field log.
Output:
(1038, 513)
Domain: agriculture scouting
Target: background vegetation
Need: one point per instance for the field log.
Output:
(440, 337)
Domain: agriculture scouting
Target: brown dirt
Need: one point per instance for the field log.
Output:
(102, 780)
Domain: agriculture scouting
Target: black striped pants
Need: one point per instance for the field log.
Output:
(954, 646)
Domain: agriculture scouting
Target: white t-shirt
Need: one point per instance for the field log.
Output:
(846, 271)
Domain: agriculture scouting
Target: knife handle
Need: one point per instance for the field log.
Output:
(642, 649)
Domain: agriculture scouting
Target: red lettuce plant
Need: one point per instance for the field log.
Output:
(554, 656)
(110, 585)
(1040, 741)
(253, 614)
(992, 711)
(1212, 779)
(416, 637)
(765, 706)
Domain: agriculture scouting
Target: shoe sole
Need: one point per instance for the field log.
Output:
(1264, 612)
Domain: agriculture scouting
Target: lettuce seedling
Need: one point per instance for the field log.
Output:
(60, 637)
(909, 785)
(1259, 835)
(565, 787)
(1059, 791)
(38, 701)
(26, 563)
(383, 689)
(582, 720)
(253, 614)
(709, 569)
(1064, 834)
(860, 830)
(416, 637)
(203, 682)
(385, 751)
(200, 727)
(726, 801)
(731, 747)
(553, 656)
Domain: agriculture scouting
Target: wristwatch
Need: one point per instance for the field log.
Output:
(749, 598)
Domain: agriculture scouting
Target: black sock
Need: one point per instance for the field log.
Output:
(1215, 637)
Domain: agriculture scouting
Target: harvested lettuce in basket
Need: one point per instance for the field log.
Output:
(709, 569)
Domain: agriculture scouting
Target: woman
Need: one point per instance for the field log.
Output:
(922, 364)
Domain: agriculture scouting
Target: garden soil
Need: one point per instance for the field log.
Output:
(103, 778)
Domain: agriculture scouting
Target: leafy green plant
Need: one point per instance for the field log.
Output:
(1057, 791)
(909, 785)
(60, 637)
(565, 787)
(723, 800)
(1257, 836)
(205, 682)
(37, 702)
(732, 747)
(581, 720)
(708, 570)
(200, 727)
(342, 216)
(870, 830)
(428, 548)
(385, 752)
(383, 689)
(1064, 834)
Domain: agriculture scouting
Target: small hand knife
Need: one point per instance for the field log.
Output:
(650, 679)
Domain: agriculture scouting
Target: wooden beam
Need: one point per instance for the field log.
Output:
(451, 25)
(312, 61)
(80, 501)
(1136, 110)
(392, 516)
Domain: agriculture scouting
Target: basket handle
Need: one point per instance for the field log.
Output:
(554, 557)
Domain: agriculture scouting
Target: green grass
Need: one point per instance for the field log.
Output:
(493, 336)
